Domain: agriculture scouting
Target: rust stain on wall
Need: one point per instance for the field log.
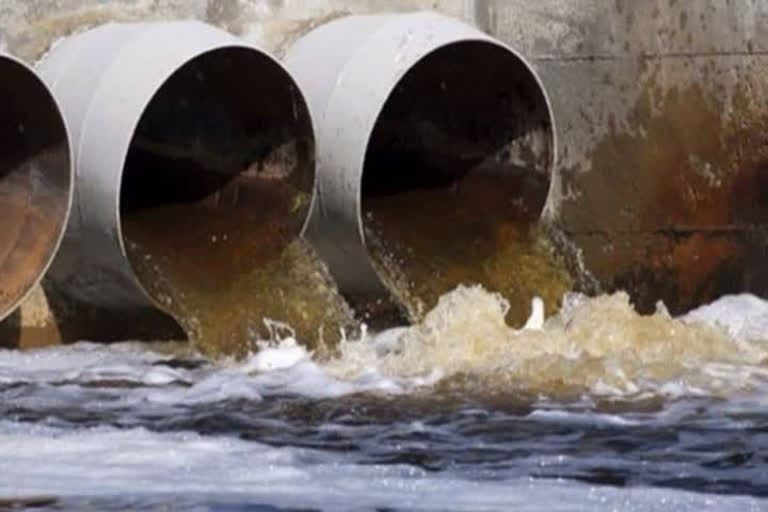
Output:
(675, 205)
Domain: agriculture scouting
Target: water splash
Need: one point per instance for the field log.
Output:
(518, 261)
(593, 345)
(224, 315)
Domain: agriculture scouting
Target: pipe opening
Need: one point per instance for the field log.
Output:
(456, 175)
(35, 177)
(217, 184)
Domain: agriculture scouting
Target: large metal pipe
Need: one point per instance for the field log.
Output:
(435, 150)
(35, 181)
(192, 147)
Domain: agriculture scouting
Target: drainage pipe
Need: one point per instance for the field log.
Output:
(35, 181)
(435, 150)
(181, 132)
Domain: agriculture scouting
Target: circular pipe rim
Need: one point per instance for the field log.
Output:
(97, 121)
(135, 124)
(57, 109)
(540, 86)
(340, 171)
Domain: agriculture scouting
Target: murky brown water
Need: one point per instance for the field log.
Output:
(474, 233)
(223, 278)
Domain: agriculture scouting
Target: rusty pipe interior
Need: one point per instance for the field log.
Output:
(35, 181)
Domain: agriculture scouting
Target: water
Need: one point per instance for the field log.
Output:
(601, 409)
(515, 258)
(221, 306)
(216, 189)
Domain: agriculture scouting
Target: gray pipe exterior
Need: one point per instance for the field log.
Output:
(105, 79)
(348, 69)
(35, 181)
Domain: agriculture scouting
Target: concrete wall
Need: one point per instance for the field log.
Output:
(663, 157)
(660, 110)
(28, 27)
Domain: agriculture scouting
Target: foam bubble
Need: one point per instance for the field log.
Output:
(190, 469)
(599, 345)
(743, 317)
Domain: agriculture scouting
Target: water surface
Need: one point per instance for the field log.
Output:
(601, 409)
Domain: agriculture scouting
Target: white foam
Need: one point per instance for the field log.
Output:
(599, 345)
(106, 462)
(596, 345)
(744, 317)
(84, 361)
(535, 322)
(132, 376)
(389, 341)
(214, 388)
(284, 355)
(580, 418)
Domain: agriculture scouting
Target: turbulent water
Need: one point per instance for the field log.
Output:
(597, 408)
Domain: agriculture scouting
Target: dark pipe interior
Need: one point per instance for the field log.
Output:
(219, 175)
(34, 180)
(457, 171)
